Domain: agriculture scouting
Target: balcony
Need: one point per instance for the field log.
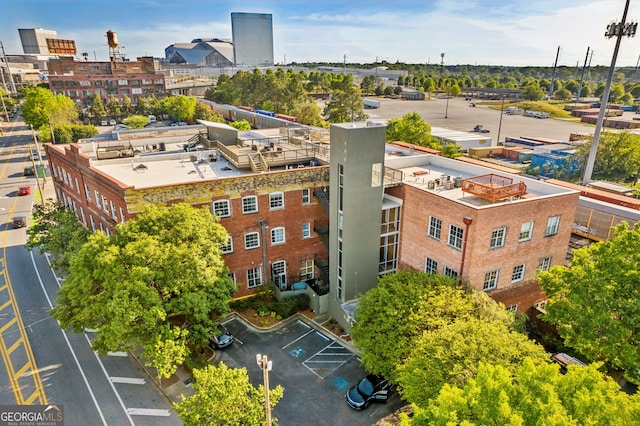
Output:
(493, 187)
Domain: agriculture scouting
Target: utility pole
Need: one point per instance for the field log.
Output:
(265, 365)
(6, 62)
(582, 76)
(617, 30)
(553, 73)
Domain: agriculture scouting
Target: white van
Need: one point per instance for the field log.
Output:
(512, 110)
(152, 119)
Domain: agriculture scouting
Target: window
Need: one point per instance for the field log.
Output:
(526, 229)
(86, 191)
(221, 208)
(518, 273)
(276, 201)
(455, 236)
(121, 215)
(512, 308)
(254, 277)
(306, 270)
(97, 195)
(450, 272)
(251, 240)
(277, 235)
(306, 230)
(490, 280)
(544, 263)
(497, 237)
(552, 225)
(232, 275)
(114, 213)
(430, 266)
(250, 204)
(306, 196)
(228, 248)
(435, 227)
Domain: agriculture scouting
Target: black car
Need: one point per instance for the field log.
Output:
(18, 222)
(221, 339)
(370, 389)
(28, 171)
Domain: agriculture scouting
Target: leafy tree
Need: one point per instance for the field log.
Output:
(127, 108)
(454, 90)
(593, 303)
(204, 112)
(310, 113)
(617, 157)
(149, 105)
(451, 354)
(136, 121)
(241, 125)
(180, 107)
(411, 128)
(42, 107)
(69, 133)
(159, 283)
(224, 395)
(346, 102)
(404, 305)
(57, 230)
(532, 92)
(97, 108)
(113, 107)
(535, 394)
(616, 92)
(563, 94)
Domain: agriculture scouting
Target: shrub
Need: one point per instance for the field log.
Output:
(285, 307)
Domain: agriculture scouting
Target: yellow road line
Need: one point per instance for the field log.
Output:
(15, 346)
(9, 324)
(4, 305)
(10, 373)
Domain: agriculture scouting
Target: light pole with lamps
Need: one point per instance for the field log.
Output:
(501, 114)
(467, 221)
(265, 365)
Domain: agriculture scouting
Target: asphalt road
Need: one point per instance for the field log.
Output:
(460, 116)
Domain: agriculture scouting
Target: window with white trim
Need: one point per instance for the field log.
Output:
(512, 308)
(251, 240)
(498, 237)
(121, 214)
(232, 275)
(455, 236)
(430, 266)
(77, 185)
(228, 248)
(97, 195)
(277, 235)
(518, 273)
(526, 230)
(221, 208)
(490, 280)
(544, 263)
(87, 193)
(114, 212)
(306, 196)
(249, 204)
(435, 227)
(552, 226)
(306, 230)
(276, 201)
(307, 270)
(449, 272)
(105, 206)
(254, 277)
(279, 273)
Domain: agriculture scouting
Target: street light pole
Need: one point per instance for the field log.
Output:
(613, 30)
(265, 365)
(501, 114)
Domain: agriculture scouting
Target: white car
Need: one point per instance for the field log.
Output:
(103, 123)
(112, 122)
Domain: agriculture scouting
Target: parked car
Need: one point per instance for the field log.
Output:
(112, 122)
(28, 171)
(480, 129)
(122, 127)
(24, 190)
(103, 123)
(565, 360)
(221, 339)
(34, 155)
(18, 222)
(370, 389)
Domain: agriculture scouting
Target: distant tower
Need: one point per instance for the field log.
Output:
(442, 61)
(114, 47)
(252, 35)
(34, 40)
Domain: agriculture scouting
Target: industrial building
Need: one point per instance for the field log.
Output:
(252, 35)
(294, 216)
(34, 40)
(212, 52)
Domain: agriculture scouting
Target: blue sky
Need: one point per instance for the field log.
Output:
(483, 32)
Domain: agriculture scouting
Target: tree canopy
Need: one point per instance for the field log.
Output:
(224, 395)
(411, 128)
(158, 283)
(42, 107)
(595, 301)
(617, 158)
(534, 394)
(346, 102)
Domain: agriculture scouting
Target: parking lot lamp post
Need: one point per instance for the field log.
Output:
(467, 221)
(446, 110)
(501, 114)
(265, 365)
(617, 30)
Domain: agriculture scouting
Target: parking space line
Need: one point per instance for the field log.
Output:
(302, 323)
(299, 338)
(323, 336)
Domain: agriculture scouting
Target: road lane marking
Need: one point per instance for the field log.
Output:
(118, 353)
(148, 412)
(127, 380)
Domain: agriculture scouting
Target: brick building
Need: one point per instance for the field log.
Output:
(80, 80)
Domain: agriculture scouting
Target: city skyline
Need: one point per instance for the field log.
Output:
(481, 32)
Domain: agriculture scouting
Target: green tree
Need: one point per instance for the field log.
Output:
(113, 107)
(454, 90)
(136, 121)
(57, 230)
(346, 102)
(203, 112)
(593, 301)
(224, 396)
(127, 108)
(181, 108)
(535, 394)
(310, 113)
(241, 125)
(532, 92)
(404, 305)
(563, 94)
(411, 128)
(617, 157)
(97, 108)
(42, 107)
(451, 354)
(149, 105)
(159, 283)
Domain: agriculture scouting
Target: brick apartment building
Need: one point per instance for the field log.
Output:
(80, 80)
(392, 206)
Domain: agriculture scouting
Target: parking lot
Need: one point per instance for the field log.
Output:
(314, 367)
